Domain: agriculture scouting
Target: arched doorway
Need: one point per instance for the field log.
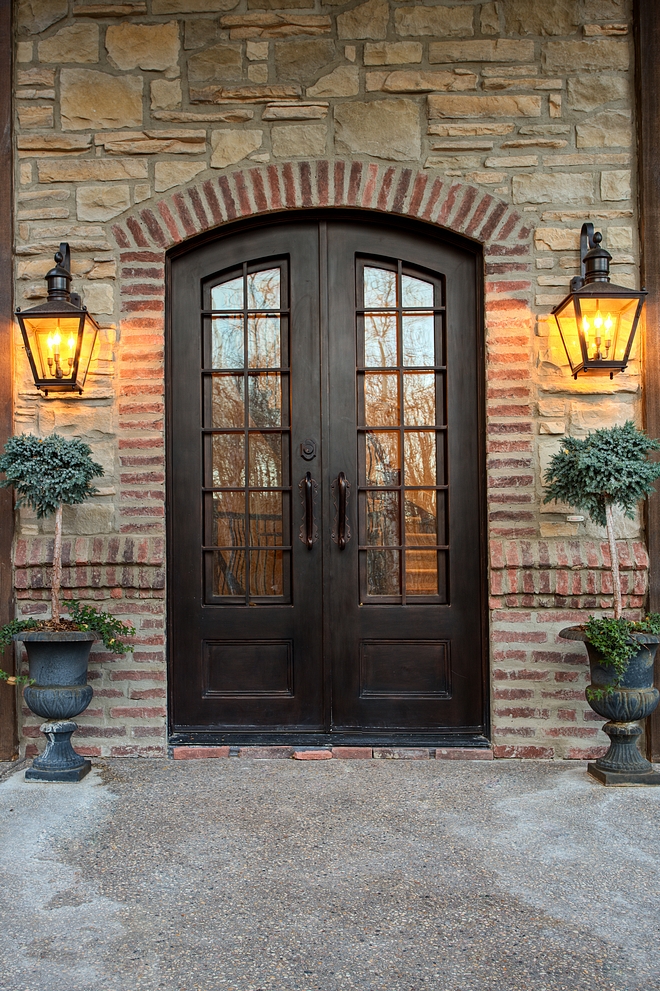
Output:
(325, 469)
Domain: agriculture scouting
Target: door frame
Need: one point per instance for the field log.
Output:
(8, 706)
(421, 228)
(646, 35)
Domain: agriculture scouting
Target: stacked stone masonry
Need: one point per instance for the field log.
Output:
(144, 122)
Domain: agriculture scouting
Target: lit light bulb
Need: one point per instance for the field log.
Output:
(608, 322)
(50, 342)
(598, 320)
(585, 326)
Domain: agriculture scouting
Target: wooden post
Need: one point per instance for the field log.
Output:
(646, 20)
(8, 695)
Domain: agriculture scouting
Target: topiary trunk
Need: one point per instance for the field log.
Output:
(56, 581)
(614, 558)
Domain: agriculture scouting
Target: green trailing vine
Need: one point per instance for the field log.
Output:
(6, 637)
(16, 626)
(615, 641)
(83, 618)
(108, 627)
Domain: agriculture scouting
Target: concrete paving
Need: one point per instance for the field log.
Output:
(278, 875)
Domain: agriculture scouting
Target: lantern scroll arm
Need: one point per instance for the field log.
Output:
(586, 243)
(65, 262)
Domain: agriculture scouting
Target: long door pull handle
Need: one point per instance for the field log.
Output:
(341, 490)
(309, 529)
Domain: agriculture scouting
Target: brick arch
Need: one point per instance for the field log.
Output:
(451, 204)
(151, 228)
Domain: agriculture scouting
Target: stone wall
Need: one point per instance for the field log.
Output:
(141, 122)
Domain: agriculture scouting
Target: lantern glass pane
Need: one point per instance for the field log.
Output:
(568, 328)
(606, 324)
(89, 332)
(53, 342)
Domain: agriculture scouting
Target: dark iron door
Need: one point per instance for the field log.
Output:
(325, 557)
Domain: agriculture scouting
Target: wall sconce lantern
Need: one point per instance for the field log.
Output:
(59, 335)
(597, 320)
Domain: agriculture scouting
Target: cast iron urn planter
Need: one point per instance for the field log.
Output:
(623, 706)
(58, 667)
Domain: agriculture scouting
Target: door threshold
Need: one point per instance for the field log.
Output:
(432, 741)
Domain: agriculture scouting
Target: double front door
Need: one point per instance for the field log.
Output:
(324, 508)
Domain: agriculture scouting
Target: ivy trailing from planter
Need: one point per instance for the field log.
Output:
(615, 641)
(6, 637)
(108, 627)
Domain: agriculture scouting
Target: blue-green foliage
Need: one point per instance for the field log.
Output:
(608, 466)
(48, 471)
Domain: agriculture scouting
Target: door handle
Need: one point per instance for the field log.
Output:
(309, 531)
(341, 489)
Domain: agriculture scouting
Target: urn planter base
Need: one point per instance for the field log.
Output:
(623, 778)
(59, 761)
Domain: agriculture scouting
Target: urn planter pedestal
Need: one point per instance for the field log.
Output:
(634, 699)
(58, 665)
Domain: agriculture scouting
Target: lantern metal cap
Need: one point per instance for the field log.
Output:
(58, 280)
(597, 262)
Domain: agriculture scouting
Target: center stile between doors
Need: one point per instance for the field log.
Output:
(325, 468)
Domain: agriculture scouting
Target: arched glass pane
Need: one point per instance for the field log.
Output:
(263, 290)
(228, 295)
(416, 292)
(379, 288)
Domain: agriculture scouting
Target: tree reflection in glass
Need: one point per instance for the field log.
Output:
(402, 522)
(257, 297)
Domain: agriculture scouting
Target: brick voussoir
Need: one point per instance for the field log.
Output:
(242, 192)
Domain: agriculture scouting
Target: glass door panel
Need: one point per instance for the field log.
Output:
(247, 443)
(391, 342)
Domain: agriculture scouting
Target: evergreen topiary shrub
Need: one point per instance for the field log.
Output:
(48, 473)
(609, 467)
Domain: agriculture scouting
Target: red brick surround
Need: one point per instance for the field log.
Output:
(536, 585)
